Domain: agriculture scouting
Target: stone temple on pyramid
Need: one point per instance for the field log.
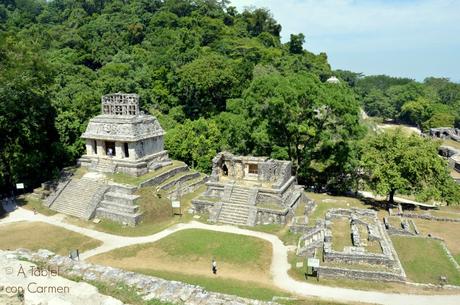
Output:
(122, 138)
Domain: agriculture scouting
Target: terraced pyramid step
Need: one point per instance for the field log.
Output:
(77, 198)
(119, 204)
(159, 179)
(236, 214)
(178, 179)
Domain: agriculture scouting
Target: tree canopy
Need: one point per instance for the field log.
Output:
(395, 162)
(433, 103)
(216, 78)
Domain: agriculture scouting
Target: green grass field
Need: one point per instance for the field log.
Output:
(424, 260)
(451, 143)
(195, 245)
(39, 235)
(341, 234)
(186, 255)
(325, 202)
(30, 203)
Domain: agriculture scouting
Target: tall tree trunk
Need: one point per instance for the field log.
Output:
(392, 195)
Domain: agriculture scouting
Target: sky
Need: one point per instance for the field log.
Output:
(404, 38)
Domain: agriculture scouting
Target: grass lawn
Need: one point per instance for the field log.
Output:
(247, 289)
(451, 143)
(444, 213)
(38, 235)
(325, 202)
(157, 215)
(282, 231)
(128, 179)
(446, 230)
(406, 129)
(243, 263)
(30, 203)
(424, 260)
(238, 257)
(341, 234)
(299, 274)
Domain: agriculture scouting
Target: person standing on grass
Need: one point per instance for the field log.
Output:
(214, 266)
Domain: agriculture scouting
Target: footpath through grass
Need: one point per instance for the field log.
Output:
(424, 260)
(193, 250)
(39, 235)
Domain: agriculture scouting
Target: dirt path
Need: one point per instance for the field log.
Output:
(279, 267)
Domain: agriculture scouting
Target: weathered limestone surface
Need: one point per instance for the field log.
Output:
(355, 274)
(320, 238)
(446, 133)
(43, 290)
(149, 287)
(250, 190)
(122, 138)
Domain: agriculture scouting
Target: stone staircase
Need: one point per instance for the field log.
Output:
(235, 207)
(235, 214)
(78, 196)
(239, 195)
(119, 204)
(105, 166)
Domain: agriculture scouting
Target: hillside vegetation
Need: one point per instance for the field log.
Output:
(217, 79)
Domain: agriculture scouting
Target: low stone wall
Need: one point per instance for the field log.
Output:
(351, 258)
(269, 216)
(163, 176)
(182, 179)
(202, 206)
(427, 217)
(148, 287)
(359, 274)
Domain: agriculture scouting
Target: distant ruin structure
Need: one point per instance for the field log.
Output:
(445, 133)
(248, 190)
(122, 138)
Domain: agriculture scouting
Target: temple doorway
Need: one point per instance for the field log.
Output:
(224, 170)
(110, 148)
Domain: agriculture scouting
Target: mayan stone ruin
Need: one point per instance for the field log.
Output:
(122, 138)
(248, 190)
(370, 255)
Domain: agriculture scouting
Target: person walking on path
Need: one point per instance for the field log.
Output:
(214, 266)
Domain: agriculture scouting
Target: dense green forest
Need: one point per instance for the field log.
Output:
(217, 79)
(433, 103)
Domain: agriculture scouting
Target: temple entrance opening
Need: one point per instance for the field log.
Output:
(224, 170)
(110, 148)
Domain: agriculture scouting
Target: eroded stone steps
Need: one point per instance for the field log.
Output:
(76, 197)
(117, 207)
(234, 214)
(178, 179)
(162, 177)
(189, 185)
(127, 218)
(239, 196)
(119, 204)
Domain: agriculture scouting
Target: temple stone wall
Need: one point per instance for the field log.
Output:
(333, 272)
(122, 125)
